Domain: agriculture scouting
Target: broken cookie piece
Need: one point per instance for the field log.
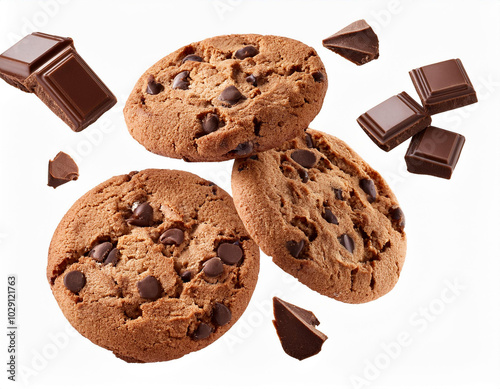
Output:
(296, 330)
(62, 169)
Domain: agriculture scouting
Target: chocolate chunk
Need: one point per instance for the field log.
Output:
(398, 215)
(443, 86)
(304, 176)
(295, 248)
(112, 257)
(339, 195)
(230, 253)
(202, 332)
(231, 95)
(251, 79)
(192, 57)
(304, 158)
(172, 236)
(357, 43)
(309, 141)
(318, 76)
(142, 216)
(435, 152)
(150, 288)
(245, 52)
(62, 169)
(213, 267)
(210, 123)
(153, 87)
(243, 148)
(296, 330)
(368, 187)
(330, 217)
(346, 241)
(101, 251)
(50, 67)
(181, 81)
(221, 314)
(186, 276)
(394, 121)
(75, 280)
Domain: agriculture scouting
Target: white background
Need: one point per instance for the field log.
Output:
(452, 225)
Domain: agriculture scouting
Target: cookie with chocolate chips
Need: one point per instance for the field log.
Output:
(324, 215)
(227, 97)
(153, 265)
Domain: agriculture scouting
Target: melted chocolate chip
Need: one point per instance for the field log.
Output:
(230, 253)
(100, 252)
(181, 81)
(112, 257)
(153, 87)
(202, 332)
(243, 148)
(346, 241)
(213, 267)
(192, 57)
(303, 175)
(368, 187)
(251, 79)
(142, 216)
(210, 123)
(186, 276)
(172, 236)
(330, 217)
(295, 248)
(245, 52)
(318, 76)
(231, 95)
(75, 280)
(149, 288)
(221, 314)
(304, 158)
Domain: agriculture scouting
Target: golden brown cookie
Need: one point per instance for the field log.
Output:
(227, 97)
(153, 265)
(324, 215)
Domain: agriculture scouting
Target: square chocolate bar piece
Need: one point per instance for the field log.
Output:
(435, 152)
(393, 121)
(443, 86)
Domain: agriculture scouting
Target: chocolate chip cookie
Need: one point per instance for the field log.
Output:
(153, 265)
(324, 215)
(227, 97)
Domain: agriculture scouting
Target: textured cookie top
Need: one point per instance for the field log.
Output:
(226, 97)
(153, 265)
(324, 216)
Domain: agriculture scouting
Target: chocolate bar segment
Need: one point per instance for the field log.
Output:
(434, 152)
(394, 120)
(443, 86)
(50, 67)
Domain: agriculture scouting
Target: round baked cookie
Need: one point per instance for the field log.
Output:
(153, 265)
(324, 216)
(227, 97)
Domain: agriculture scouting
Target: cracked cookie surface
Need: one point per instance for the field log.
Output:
(227, 97)
(153, 265)
(324, 215)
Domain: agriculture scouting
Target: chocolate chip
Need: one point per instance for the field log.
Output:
(75, 280)
(112, 257)
(330, 217)
(172, 236)
(202, 332)
(142, 216)
(245, 52)
(309, 141)
(213, 267)
(180, 81)
(346, 241)
(295, 248)
(149, 288)
(230, 253)
(398, 215)
(251, 79)
(243, 148)
(153, 87)
(210, 123)
(221, 314)
(339, 195)
(304, 158)
(100, 251)
(231, 95)
(368, 187)
(303, 175)
(186, 276)
(318, 76)
(254, 157)
(192, 57)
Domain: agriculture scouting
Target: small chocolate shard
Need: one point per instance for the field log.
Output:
(62, 169)
(251, 79)
(330, 217)
(346, 241)
(357, 43)
(296, 330)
